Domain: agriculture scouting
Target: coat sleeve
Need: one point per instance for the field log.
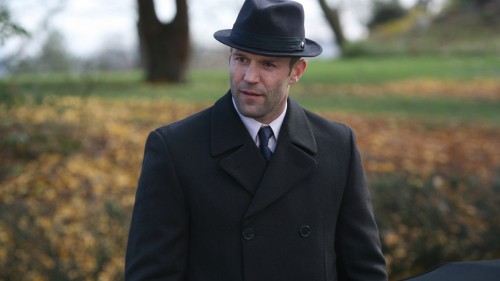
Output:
(158, 237)
(358, 244)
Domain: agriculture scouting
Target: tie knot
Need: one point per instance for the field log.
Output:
(265, 134)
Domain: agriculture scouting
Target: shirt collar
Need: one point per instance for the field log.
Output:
(253, 126)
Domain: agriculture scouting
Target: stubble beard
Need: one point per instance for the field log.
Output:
(261, 112)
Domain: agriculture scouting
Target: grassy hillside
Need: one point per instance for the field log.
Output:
(460, 29)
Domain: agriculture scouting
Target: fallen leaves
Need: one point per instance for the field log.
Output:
(487, 89)
(70, 166)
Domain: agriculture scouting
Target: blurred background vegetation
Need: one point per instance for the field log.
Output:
(422, 92)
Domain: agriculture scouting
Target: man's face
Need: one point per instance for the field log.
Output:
(260, 84)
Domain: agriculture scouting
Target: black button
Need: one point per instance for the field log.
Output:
(305, 231)
(248, 233)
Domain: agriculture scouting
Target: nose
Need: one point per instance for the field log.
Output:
(252, 73)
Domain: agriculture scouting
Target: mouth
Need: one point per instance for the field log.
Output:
(250, 93)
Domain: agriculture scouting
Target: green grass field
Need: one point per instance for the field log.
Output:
(427, 87)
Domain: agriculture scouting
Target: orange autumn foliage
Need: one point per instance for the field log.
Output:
(69, 168)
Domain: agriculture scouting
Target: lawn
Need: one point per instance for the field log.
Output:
(457, 88)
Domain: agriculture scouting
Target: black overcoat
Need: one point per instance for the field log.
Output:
(210, 208)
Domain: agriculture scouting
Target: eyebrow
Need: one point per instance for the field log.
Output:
(261, 59)
(271, 61)
(236, 52)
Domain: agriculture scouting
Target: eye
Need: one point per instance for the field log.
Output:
(240, 59)
(268, 64)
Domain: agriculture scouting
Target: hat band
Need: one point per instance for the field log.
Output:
(271, 43)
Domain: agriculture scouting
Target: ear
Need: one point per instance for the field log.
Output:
(297, 71)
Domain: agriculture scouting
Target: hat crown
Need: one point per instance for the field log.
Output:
(271, 18)
(270, 27)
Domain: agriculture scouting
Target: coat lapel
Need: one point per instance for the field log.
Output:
(230, 140)
(292, 161)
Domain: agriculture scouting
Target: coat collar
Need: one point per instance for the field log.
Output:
(293, 159)
(228, 132)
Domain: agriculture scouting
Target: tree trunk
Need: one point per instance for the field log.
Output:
(333, 19)
(164, 46)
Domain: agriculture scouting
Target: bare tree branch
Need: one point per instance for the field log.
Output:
(333, 18)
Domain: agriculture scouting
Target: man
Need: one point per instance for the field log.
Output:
(220, 199)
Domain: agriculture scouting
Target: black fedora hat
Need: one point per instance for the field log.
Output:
(271, 28)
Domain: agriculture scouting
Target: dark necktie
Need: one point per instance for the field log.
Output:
(265, 133)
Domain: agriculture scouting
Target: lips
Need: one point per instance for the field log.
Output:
(250, 93)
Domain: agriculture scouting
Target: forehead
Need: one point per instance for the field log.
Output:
(258, 57)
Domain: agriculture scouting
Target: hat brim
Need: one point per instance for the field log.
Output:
(311, 49)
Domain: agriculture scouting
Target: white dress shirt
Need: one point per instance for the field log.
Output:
(253, 127)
